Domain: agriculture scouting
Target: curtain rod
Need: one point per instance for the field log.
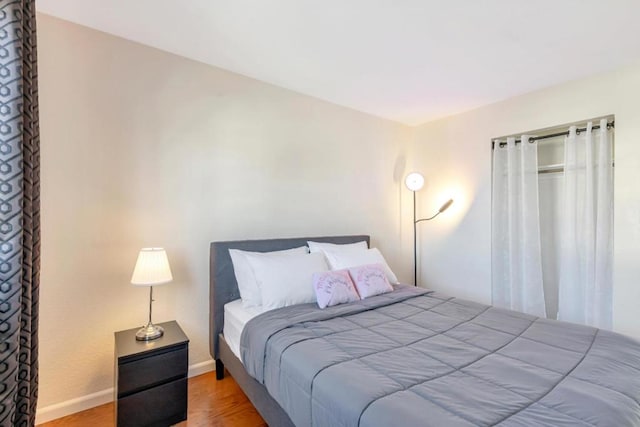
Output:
(553, 135)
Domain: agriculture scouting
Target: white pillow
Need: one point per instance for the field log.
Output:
(249, 289)
(339, 260)
(336, 248)
(320, 246)
(286, 280)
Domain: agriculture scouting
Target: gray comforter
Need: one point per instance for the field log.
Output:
(416, 358)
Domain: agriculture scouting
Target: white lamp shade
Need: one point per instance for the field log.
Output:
(152, 268)
(414, 181)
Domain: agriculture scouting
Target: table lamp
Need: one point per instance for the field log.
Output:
(152, 268)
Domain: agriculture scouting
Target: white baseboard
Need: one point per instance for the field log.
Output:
(68, 407)
(201, 368)
(82, 403)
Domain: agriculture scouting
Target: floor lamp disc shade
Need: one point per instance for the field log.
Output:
(152, 268)
(446, 206)
(414, 181)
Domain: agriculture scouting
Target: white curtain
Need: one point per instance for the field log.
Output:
(516, 255)
(586, 257)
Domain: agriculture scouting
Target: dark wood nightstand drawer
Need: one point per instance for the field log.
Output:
(151, 378)
(142, 373)
(156, 407)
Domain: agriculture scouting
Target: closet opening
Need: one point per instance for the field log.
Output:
(566, 175)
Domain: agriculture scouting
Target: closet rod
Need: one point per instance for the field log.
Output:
(553, 135)
(559, 167)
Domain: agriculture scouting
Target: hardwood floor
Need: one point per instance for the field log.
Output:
(211, 403)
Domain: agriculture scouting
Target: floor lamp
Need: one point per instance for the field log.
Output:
(415, 182)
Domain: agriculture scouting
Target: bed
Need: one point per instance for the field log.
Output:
(415, 357)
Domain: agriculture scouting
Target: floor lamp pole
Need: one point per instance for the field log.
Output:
(415, 241)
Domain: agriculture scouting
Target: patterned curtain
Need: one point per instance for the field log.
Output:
(19, 213)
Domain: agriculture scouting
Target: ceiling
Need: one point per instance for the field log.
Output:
(410, 61)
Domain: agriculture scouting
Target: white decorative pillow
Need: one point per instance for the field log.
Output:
(286, 280)
(370, 280)
(249, 289)
(339, 260)
(321, 247)
(333, 288)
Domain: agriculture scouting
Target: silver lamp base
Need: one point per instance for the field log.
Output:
(149, 332)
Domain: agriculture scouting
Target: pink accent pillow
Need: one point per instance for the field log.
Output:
(370, 280)
(334, 287)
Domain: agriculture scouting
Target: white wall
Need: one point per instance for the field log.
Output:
(144, 148)
(455, 155)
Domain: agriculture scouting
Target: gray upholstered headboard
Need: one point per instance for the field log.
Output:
(223, 287)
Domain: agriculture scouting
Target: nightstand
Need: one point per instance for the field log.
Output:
(151, 378)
